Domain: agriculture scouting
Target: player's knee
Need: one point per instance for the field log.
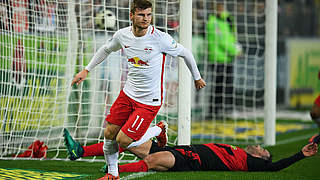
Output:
(123, 140)
(109, 134)
(151, 161)
(123, 144)
(111, 131)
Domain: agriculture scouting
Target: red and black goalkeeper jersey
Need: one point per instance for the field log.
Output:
(233, 157)
(208, 157)
(221, 157)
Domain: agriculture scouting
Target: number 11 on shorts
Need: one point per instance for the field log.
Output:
(134, 123)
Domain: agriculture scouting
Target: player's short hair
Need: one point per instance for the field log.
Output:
(268, 159)
(252, 150)
(140, 4)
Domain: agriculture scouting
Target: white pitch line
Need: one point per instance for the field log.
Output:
(295, 139)
(137, 175)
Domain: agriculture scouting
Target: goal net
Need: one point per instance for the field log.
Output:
(44, 43)
(38, 59)
(229, 44)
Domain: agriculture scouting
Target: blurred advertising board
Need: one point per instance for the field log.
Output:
(304, 66)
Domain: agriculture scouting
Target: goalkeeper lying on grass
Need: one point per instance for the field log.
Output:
(202, 157)
(215, 157)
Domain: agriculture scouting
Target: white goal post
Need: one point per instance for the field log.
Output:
(270, 72)
(44, 43)
(185, 85)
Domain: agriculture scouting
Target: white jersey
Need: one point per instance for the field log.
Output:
(146, 60)
(146, 57)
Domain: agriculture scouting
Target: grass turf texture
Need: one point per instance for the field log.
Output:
(304, 169)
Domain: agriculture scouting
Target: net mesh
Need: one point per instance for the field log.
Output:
(44, 43)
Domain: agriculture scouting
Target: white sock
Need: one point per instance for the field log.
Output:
(113, 164)
(151, 132)
(111, 154)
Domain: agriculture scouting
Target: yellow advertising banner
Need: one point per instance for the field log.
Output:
(304, 66)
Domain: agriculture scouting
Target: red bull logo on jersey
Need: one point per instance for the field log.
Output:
(137, 62)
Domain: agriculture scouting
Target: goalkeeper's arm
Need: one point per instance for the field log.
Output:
(260, 165)
(308, 150)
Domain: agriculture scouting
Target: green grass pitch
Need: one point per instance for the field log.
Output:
(290, 143)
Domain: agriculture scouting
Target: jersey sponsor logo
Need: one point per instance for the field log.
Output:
(137, 62)
(233, 147)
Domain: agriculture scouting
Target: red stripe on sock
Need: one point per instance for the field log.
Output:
(140, 166)
(93, 150)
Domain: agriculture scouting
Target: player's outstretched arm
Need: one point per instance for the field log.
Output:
(307, 151)
(81, 76)
(200, 84)
(103, 52)
(310, 149)
(186, 54)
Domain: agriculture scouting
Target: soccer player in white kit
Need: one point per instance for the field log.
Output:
(141, 98)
